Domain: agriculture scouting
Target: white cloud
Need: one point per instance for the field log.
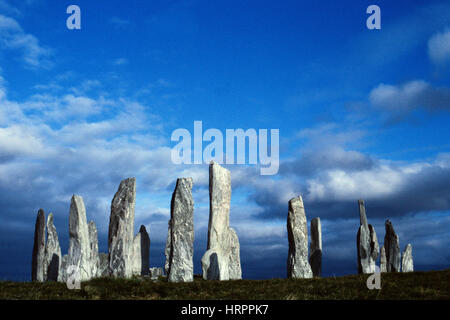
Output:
(12, 36)
(439, 48)
(401, 100)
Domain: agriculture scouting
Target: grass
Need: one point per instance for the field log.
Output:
(399, 286)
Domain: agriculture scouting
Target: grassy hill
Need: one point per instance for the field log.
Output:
(416, 285)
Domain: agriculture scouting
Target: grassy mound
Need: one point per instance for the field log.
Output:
(416, 285)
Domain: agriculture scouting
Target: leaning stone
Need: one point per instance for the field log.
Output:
(52, 252)
(315, 254)
(407, 259)
(222, 240)
(38, 257)
(180, 253)
(297, 264)
(366, 243)
(79, 256)
(93, 243)
(392, 247)
(121, 226)
(383, 267)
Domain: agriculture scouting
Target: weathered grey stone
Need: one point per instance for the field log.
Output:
(222, 240)
(315, 254)
(155, 272)
(168, 246)
(63, 269)
(383, 267)
(366, 243)
(392, 247)
(121, 229)
(145, 251)
(38, 256)
(103, 270)
(141, 247)
(52, 252)
(297, 263)
(136, 261)
(180, 253)
(407, 259)
(93, 244)
(79, 256)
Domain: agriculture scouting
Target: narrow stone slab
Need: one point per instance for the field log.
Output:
(407, 259)
(383, 263)
(315, 254)
(366, 243)
(121, 229)
(392, 247)
(38, 256)
(297, 263)
(52, 252)
(180, 253)
(94, 256)
(103, 270)
(223, 243)
(79, 255)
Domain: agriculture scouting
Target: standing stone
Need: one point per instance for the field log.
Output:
(52, 252)
(136, 261)
(366, 243)
(79, 255)
(407, 259)
(121, 226)
(392, 247)
(103, 270)
(63, 269)
(38, 257)
(180, 253)
(297, 263)
(222, 260)
(145, 251)
(93, 244)
(315, 255)
(155, 273)
(168, 246)
(383, 267)
(141, 247)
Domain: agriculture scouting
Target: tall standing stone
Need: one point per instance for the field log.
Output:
(392, 247)
(366, 242)
(383, 263)
(221, 261)
(407, 259)
(38, 257)
(297, 263)
(145, 251)
(121, 226)
(52, 252)
(141, 254)
(79, 256)
(315, 254)
(180, 252)
(94, 256)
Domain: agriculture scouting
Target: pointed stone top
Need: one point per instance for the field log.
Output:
(50, 218)
(296, 202)
(362, 213)
(142, 229)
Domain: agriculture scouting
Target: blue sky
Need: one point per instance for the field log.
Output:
(361, 113)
